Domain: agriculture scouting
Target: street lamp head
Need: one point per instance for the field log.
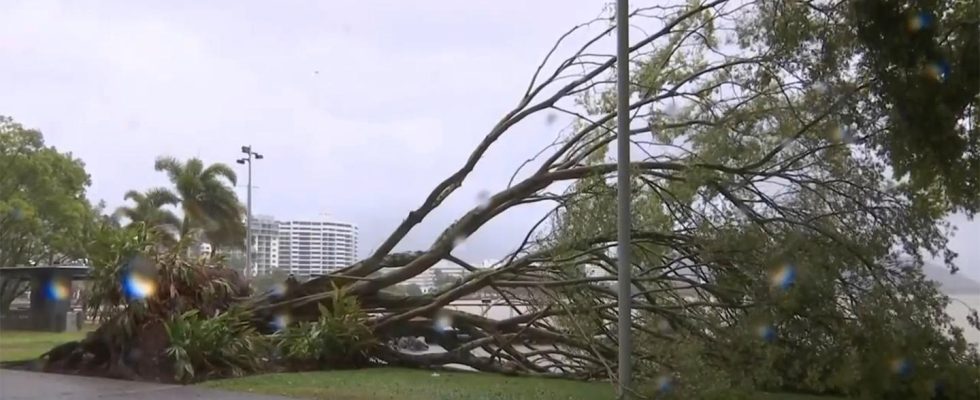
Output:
(241, 160)
(258, 156)
(246, 149)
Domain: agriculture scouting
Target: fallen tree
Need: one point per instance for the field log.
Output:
(766, 231)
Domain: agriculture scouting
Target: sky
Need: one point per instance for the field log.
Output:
(359, 107)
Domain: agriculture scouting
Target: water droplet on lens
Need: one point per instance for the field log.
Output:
(443, 322)
(842, 134)
(919, 21)
(281, 321)
(551, 118)
(137, 286)
(139, 278)
(278, 289)
(766, 332)
(665, 383)
(57, 289)
(821, 87)
(483, 199)
(901, 366)
(937, 70)
(783, 277)
(134, 354)
(459, 241)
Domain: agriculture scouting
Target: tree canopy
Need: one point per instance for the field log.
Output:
(44, 214)
(149, 208)
(208, 203)
(917, 63)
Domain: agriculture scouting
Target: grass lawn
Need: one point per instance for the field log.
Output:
(407, 384)
(27, 345)
(367, 384)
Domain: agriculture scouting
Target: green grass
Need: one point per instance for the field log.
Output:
(407, 384)
(367, 384)
(395, 383)
(27, 345)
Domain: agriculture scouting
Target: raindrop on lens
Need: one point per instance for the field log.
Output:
(281, 321)
(901, 367)
(443, 322)
(766, 332)
(134, 355)
(919, 21)
(784, 277)
(842, 134)
(278, 290)
(458, 241)
(551, 118)
(483, 199)
(665, 383)
(937, 70)
(821, 87)
(137, 286)
(139, 278)
(57, 289)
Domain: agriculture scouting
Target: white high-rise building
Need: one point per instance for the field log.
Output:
(302, 248)
(316, 247)
(265, 244)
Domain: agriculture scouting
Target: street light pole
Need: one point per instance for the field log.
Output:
(623, 198)
(248, 206)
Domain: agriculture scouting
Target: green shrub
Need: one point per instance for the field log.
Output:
(339, 338)
(221, 345)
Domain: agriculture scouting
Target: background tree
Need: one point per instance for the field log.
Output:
(43, 209)
(441, 279)
(413, 289)
(208, 202)
(920, 68)
(149, 209)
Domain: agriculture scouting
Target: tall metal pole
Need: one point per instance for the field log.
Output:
(248, 220)
(623, 198)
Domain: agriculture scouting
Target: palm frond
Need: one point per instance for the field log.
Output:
(213, 171)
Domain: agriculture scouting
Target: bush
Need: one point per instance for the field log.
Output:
(222, 345)
(339, 338)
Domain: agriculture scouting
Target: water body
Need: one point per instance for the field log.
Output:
(959, 311)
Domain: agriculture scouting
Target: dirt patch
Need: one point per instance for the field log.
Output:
(142, 358)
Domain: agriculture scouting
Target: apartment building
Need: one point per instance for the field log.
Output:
(302, 248)
(316, 247)
(265, 244)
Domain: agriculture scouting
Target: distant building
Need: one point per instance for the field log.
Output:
(302, 248)
(316, 247)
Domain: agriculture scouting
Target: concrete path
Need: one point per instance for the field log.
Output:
(23, 385)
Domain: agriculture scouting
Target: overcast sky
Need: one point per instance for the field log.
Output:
(360, 107)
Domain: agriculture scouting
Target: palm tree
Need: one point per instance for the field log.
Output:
(149, 208)
(210, 205)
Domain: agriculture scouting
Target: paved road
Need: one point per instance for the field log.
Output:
(23, 385)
